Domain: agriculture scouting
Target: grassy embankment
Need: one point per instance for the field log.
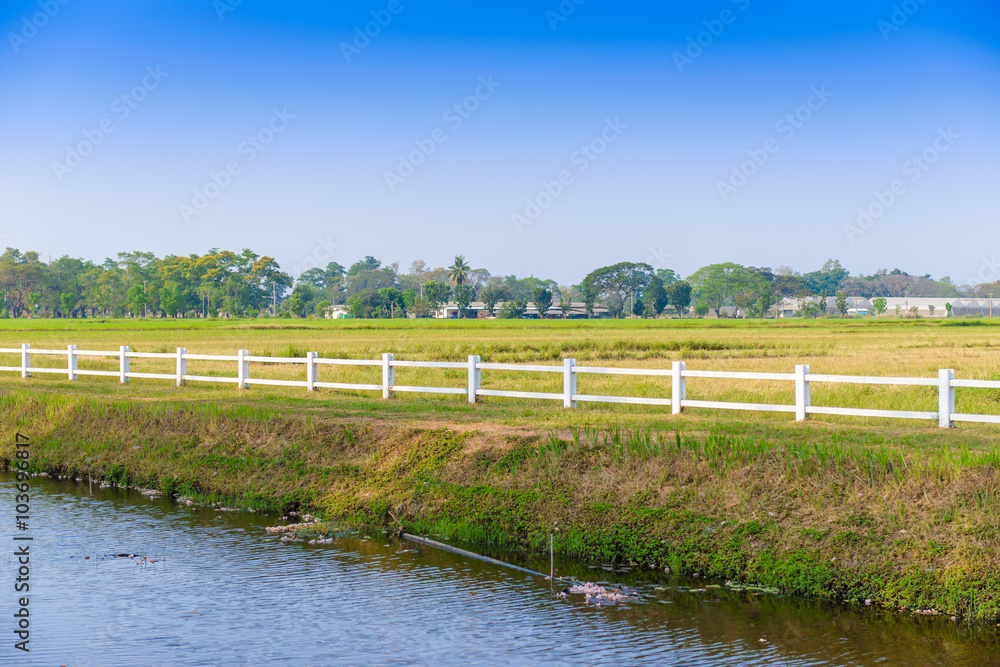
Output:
(901, 513)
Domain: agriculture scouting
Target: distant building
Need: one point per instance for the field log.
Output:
(925, 306)
(337, 313)
(477, 310)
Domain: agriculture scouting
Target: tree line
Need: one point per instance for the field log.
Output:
(222, 283)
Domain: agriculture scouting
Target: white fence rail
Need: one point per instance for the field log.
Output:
(678, 374)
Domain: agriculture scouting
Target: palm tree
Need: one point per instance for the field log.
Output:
(459, 270)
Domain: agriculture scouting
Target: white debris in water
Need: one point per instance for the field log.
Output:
(596, 594)
(290, 527)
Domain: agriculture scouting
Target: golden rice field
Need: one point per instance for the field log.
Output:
(887, 347)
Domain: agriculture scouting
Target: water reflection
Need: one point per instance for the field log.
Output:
(224, 592)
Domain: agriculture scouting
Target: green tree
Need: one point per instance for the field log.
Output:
(67, 302)
(829, 277)
(369, 263)
(364, 304)
(655, 297)
(464, 294)
(679, 295)
(617, 283)
(436, 293)
(667, 276)
(753, 291)
(297, 304)
(880, 304)
(170, 299)
(490, 295)
(513, 309)
(542, 299)
(842, 305)
(717, 284)
(391, 304)
(136, 300)
(459, 270)
(410, 297)
(315, 277)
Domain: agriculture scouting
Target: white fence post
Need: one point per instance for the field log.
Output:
(71, 362)
(475, 378)
(678, 393)
(181, 365)
(26, 360)
(123, 364)
(946, 397)
(311, 371)
(388, 375)
(803, 397)
(242, 369)
(569, 383)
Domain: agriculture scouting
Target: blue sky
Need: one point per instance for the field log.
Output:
(670, 152)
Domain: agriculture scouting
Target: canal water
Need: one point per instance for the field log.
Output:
(222, 591)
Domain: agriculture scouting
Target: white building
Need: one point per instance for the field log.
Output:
(336, 312)
(477, 310)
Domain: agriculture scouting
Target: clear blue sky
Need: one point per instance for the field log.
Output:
(674, 127)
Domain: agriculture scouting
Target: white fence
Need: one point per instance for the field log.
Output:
(678, 373)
